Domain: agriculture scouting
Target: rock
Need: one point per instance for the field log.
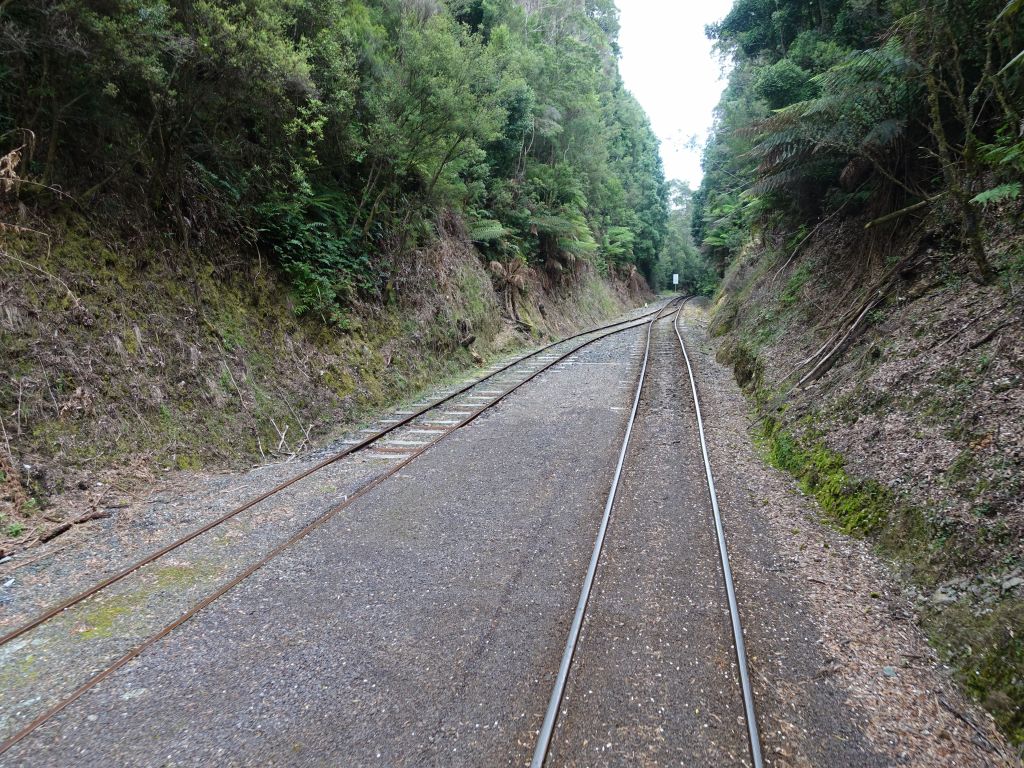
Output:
(1012, 583)
(889, 671)
(943, 596)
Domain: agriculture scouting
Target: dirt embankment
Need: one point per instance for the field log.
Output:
(123, 358)
(908, 427)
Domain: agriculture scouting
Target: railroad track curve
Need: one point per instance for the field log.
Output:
(556, 703)
(463, 404)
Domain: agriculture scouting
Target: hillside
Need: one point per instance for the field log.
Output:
(229, 229)
(863, 200)
(129, 361)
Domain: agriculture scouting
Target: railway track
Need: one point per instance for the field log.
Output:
(401, 442)
(556, 703)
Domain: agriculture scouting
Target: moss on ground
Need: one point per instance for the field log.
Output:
(109, 616)
(985, 646)
(192, 361)
(853, 506)
(980, 638)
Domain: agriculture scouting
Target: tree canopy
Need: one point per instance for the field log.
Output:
(332, 133)
(878, 109)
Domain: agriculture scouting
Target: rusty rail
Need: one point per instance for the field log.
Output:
(307, 529)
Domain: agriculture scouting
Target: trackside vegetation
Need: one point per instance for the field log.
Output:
(863, 193)
(330, 135)
(883, 110)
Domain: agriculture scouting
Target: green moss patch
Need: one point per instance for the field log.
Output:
(112, 616)
(978, 633)
(853, 506)
(985, 645)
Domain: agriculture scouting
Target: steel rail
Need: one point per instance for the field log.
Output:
(305, 531)
(547, 729)
(126, 571)
(734, 611)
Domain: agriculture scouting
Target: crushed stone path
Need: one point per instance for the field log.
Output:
(654, 680)
(418, 627)
(423, 625)
(40, 668)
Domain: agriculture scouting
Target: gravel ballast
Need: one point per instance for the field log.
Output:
(424, 623)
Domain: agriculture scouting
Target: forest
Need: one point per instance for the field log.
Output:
(862, 198)
(331, 136)
(842, 109)
(234, 230)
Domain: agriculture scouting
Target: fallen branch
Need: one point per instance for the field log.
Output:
(956, 333)
(981, 734)
(990, 335)
(826, 363)
(981, 341)
(99, 514)
(896, 214)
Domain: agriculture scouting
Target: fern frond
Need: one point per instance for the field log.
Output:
(998, 194)
(487, 230)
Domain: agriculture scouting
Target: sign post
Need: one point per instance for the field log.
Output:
(675, 281)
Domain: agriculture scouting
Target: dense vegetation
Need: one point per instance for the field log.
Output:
(863, 193)
(877, 109)
(679, 255)
(335, 135)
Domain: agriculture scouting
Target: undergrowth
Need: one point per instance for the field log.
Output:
(980, 639)
(189, 361)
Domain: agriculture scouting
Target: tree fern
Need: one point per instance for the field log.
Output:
(861, 112)
(487, 230)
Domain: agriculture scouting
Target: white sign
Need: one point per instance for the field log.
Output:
(675, 279)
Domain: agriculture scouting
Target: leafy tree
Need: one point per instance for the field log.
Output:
(680, 254)
(903, 104)
(336, 132)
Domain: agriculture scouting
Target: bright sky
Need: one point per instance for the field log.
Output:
(667, 63)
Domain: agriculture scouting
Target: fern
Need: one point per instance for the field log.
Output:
(487, 230)
(998, 194)
(618, 243)
(1011, 8)
(1006, 152)
(860, 112)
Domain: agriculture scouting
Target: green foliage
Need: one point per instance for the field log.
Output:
(1006, 153)
(680, 254)
(334, 134)
(814, 52)
(859, 114)
(1005, 156)
(487, 230)
(979, 640)
(791, 293)
(883, 103)
(854, 506)
(321, 255)
(999, 194)
(783, 83)
(988, 652)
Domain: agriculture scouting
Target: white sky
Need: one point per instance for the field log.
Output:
(667, 63)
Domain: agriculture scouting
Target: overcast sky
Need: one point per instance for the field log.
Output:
(668, 65)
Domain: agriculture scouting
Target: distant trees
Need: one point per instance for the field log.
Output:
(884, 108)
(330, 132)
(680, 255)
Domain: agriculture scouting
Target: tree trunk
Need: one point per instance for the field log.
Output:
(953, 172)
